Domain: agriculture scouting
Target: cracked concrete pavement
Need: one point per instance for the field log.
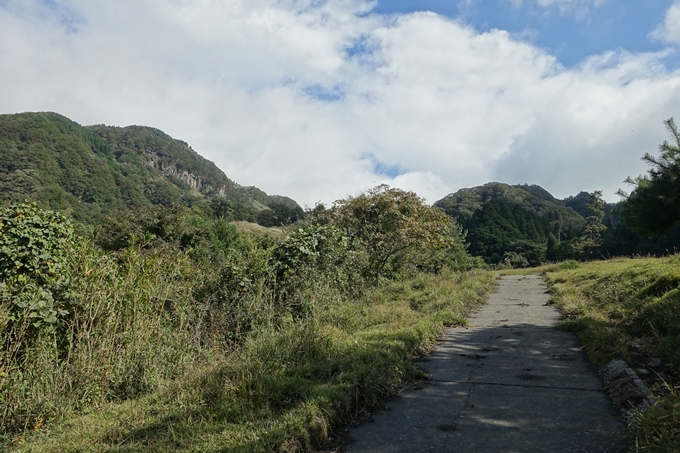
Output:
(507, 383)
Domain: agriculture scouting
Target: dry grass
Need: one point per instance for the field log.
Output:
(258, 230)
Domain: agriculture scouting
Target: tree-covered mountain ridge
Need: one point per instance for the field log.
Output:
(526, 225)
(463, 203)
(88, 171)
(506, 222)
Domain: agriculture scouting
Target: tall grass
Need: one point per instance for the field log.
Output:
(163, 353)
(119, 341)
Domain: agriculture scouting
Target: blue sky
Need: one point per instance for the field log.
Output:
(318, 99)
(570, 35)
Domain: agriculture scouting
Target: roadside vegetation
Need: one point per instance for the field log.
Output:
(171, 330)
(630, 309)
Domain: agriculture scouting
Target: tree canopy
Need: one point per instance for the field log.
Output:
(389, 223)
(653, 207)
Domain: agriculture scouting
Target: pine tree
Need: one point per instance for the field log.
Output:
(653, 207)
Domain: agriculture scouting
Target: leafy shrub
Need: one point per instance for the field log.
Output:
(32, 242)
(456, 257)
(154, 224)
(235, 296)
(34, 286)
(175, 226)
(322, 247)
(310, 260)
(132, 330)
(515, 260)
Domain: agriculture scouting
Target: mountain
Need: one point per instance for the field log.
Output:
(526, 225)
(507, 223)
(462, 205)
(89, 171)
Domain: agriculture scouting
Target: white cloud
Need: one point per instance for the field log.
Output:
(546, 3)
(243, 82)
(577, 8)
(669, 30)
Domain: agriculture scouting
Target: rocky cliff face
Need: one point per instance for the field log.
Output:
(195, 182)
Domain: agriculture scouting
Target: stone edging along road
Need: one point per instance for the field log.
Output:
(507, 383)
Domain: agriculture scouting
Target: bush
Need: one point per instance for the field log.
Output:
(176, 226)
(392, 227)
(321, 247)
(515, 260)
(34, 287)
(568, 264)
(33, 242)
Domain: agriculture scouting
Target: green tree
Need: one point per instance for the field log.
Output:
(175, 227)
(222, 208)
(653, 207)
(267, 218)
(551, 249)
(390, 223)
(591, 238)
(457, 257)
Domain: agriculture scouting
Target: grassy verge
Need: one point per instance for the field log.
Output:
(286, 388)
(629, 309)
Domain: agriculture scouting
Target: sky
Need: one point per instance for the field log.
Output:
(320, 99)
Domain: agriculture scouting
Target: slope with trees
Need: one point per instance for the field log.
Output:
(90, 171)
(512, 223)
(499, 232)
(462, 205)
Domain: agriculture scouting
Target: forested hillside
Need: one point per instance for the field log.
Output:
(90, 171)
(524, 225)
(512, 223)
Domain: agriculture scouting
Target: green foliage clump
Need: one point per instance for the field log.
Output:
(456, 257)
(393, 227)
(188, 230)
(224, 209)
(33, 242)
(321, 247)
(34, 287)
(515, 260)
(585, 246)
(279, 214)
(568, 264)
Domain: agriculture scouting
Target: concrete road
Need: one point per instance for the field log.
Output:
(508, 383)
